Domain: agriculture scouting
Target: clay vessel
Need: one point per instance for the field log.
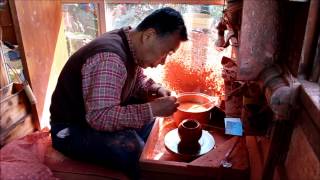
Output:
(189, 131)
(200, 114)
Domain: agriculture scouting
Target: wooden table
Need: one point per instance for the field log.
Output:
(157, 162)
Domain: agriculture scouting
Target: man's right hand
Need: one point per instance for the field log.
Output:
(164, 106)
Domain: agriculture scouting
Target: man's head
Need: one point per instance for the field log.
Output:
(160, 34)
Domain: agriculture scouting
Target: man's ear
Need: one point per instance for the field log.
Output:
(148, 34)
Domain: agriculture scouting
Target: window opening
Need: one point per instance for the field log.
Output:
(81, 24)
(196, 65)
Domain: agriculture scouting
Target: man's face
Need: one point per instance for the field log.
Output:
(156, 49)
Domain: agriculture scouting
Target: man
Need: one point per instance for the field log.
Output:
(92, 115)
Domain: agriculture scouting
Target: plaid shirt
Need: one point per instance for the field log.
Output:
(103, 77)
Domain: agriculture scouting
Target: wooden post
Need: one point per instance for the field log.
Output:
(259, 37)
(316, 64)
(310, 40)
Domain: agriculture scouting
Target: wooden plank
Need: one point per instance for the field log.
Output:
(101, 17)
(302, 162)
(264, 147)
(147, 175)
(6, 91)
(310, 98)
(215, 156)
(19, 130)
(164, 166)
(78, 176)
(280, 173)
(316, 64)
(172, 169)
(75, 169)
(34, 20)
(12, 116)
(233, 150)
(58, 163)
(279, 145)
(310, 40)
(16, 119)
(256, 163)
(310, 130)
(11, 101)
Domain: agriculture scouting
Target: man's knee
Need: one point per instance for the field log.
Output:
(129, 148)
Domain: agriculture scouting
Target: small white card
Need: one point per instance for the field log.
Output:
(233, 126)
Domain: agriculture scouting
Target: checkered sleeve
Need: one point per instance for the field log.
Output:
(104, 76)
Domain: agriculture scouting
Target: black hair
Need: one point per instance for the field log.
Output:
(165, 21)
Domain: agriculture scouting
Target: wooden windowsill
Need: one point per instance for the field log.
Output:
(310, 98)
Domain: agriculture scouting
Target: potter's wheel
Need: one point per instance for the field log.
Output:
(172, 140)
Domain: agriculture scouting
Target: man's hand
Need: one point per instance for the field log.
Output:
(164, 106)
(163, 92)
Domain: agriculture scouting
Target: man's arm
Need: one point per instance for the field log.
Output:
(104, 76)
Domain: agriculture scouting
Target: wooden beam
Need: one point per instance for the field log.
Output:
(255, 158)
(309, 97)
(280, 141)
(101, 17)
(316, 64)
(260, 36)
(310, 130)
(301, 162)
(37, 26)
(310, 40)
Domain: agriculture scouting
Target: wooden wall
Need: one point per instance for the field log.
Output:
(303, 158)
(7, 27)
(295, 26)
(295, 146)
(37, 25)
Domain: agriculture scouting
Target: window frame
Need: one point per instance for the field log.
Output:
(204, 2)
(100, 12)
(101, 6)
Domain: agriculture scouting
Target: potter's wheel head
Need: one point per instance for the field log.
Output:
(173, 145)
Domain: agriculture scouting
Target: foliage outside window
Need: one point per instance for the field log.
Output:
(81, 24)
(196, 65)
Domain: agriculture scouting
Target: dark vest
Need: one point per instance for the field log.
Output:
(67, 103)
